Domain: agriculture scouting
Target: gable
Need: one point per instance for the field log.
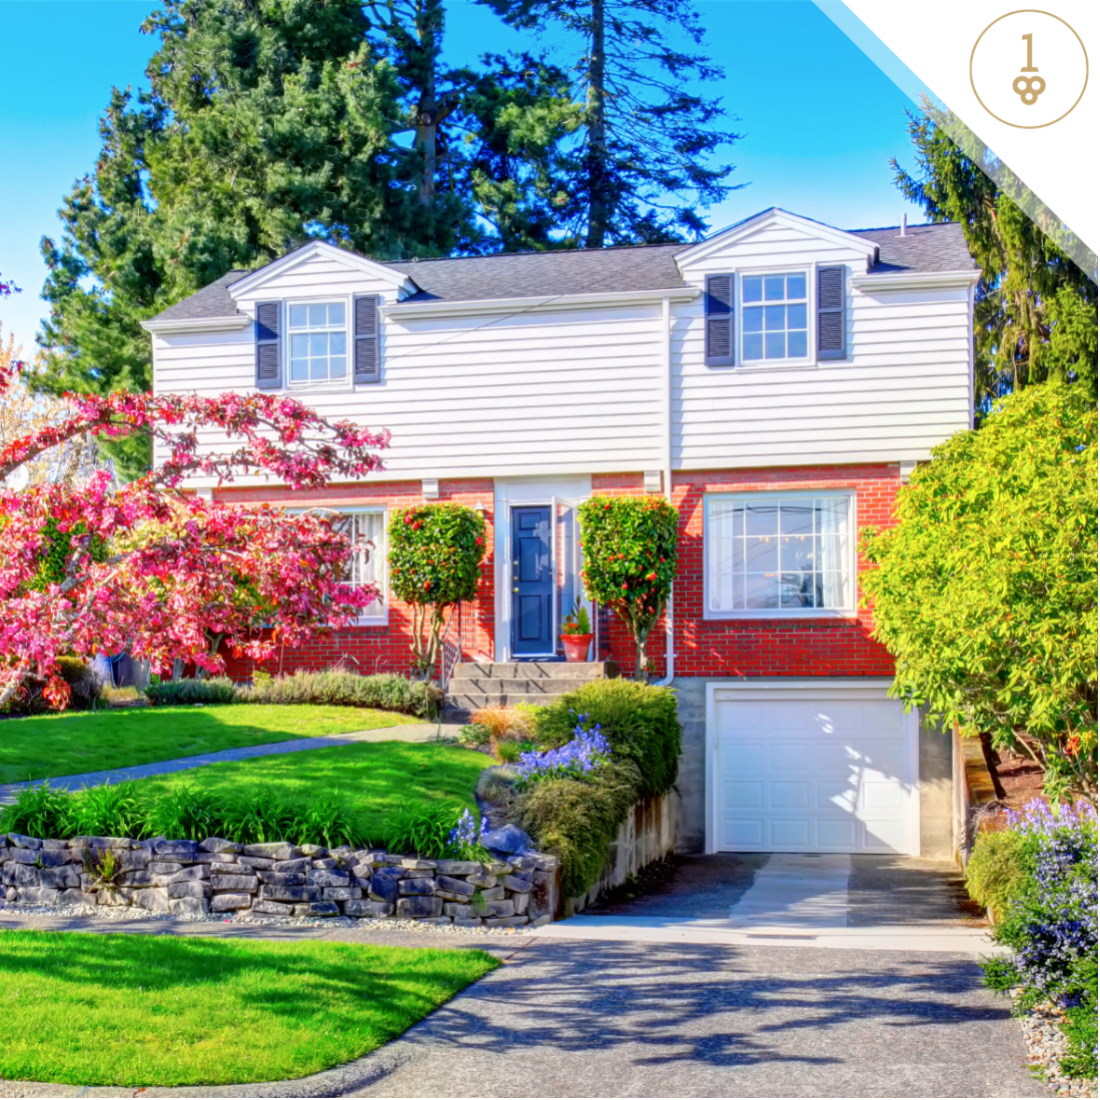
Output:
(320, 265)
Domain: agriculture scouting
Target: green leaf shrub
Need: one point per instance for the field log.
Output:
(1081, 1024)
(640, 721)
(578, 818)
(997, 870)
(629, 546)
(430, 834)
(435, 553)
(334, 687)
(985, 591)
(182, 693)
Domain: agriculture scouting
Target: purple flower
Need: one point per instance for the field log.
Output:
(589, 749)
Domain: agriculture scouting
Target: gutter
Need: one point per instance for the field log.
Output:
(666, 477)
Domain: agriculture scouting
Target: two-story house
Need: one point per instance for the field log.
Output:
(777, 382)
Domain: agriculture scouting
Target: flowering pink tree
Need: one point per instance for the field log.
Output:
(159, 572)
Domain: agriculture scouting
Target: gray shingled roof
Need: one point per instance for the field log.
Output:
(930, 248)
(938, 247)
(529, 274)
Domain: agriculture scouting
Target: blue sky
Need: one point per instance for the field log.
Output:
(820, 120)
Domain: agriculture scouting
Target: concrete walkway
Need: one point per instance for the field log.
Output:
(420, 731)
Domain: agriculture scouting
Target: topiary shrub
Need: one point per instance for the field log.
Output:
(435, 553)
(183, 693)
(640, 721)
(629, 546)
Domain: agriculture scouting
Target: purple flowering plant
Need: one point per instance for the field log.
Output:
(587, 750)
(465, 840)
(1050, 925)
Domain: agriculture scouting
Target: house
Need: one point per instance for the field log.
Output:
(778, 381)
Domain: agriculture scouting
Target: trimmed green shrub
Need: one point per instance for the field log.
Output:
(577, 819)
(639, 720)
(336, 687)
(997, 870)
(182, 693)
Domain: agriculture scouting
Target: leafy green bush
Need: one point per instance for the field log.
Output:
(434, 834)
(39, 811)
(182, 693)
(114, 809)
(639, 720)
(577, 819)
(1080, 1026)
(336, 687)
(997, 870)
(985, 589)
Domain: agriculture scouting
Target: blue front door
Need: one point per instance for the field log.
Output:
(532, 583)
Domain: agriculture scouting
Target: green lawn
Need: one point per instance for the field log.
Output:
(68, 744)
(133, 1011)
(375, 779)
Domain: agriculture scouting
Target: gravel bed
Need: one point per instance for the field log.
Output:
(127, 913)
(1046, 1046)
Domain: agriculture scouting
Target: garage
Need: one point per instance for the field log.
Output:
(811, 766)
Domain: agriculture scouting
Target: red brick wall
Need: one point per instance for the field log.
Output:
(760, 647)
(369, 649)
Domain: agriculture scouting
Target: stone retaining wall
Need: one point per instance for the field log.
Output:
(195, 879)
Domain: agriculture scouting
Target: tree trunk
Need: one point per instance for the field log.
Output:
(641, 671)
(598, 212)
(429, 34)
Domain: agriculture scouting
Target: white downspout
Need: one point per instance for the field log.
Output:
(666, 477)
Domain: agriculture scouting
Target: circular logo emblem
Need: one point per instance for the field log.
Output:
(1029, 69)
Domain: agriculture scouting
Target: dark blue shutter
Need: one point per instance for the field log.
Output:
(830, 313)
(368, 366)
(269, 373)
(720, 327)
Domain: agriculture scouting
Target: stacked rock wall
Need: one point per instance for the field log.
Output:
(195, 879)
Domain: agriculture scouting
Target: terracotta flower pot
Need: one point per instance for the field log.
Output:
(576, 646)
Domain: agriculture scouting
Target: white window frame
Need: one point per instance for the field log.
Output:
(340, 385)
(378, 613)
(810, 358)
(848, 612)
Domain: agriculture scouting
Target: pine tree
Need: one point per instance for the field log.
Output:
(644, 167)
(1035, 309)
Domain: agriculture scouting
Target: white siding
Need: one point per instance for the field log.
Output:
(903, 387)
(569, 391)
(581, 390)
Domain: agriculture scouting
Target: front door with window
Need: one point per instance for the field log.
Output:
(532, 583)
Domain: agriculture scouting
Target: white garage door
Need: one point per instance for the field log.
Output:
(812, 768)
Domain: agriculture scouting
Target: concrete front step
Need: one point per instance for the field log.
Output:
(475, 700)
(532, 670)
(514, 687)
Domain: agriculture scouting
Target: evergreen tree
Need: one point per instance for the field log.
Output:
(644, 166)
(481, 142)
(1035, 309)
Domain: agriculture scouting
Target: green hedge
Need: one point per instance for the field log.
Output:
(385, 691)
(577, 819)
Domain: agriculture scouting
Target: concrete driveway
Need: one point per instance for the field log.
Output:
(732, 980)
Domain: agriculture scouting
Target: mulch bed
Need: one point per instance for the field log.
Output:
(1016, 778)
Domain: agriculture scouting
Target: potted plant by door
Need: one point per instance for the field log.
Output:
(576, 633)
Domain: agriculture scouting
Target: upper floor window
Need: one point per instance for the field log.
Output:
(774, 312)
(318, 342)
(784, 553)
(367, 563)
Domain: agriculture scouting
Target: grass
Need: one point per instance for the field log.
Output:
(68, 744)
(375, 778)
(131, 1011)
